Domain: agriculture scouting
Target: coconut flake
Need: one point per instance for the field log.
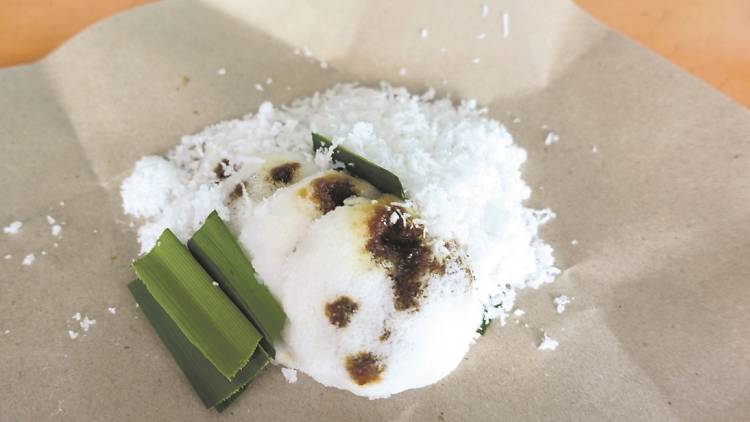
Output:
(13, 227)
(551, 138)
(506, 25)
(28, 259)
(86, 323)
(548, 343)
(290, 375)
(560, 303)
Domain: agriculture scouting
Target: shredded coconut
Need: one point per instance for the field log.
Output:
(506, 25)
(485, 10)
(551, 138)
(28, 259)
(13, 227)
(289, 374)
(50, 220)
(86, 323)
(560, 303)
(459, 167)
(548, 343)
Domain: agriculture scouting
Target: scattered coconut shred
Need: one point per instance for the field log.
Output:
(460, 170)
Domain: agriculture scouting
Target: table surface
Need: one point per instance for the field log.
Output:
(709, 38)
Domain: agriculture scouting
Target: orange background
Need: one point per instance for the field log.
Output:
(709, 38)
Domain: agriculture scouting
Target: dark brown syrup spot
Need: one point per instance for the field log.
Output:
(339, 312)
(385, 335)
(364, 368)
(238, 191)
(330, 191)
(399, 245)
(221, 169)
(283, 174)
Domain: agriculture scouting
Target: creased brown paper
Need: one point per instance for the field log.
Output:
(650, 181)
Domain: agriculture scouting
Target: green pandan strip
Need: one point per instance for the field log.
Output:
(361, 167)
(214, 389)
(203, 313)
(216, 249)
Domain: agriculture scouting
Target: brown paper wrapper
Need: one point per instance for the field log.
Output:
(659, 327)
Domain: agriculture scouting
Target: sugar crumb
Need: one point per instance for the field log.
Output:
(269, 81)
(76, 316)
(289, 374)
(519, 312)
(574, 242)
(56, 229)
(62, 203)
(594, 149)
(506, 25)
(112, 310)
(8, 256)
(548, 343)
(50, 220)
(72, 334)
(423, 33)
(13, 227)
(215, 283)
(28, 259)
(259, 87)
(221, 71)
(402, 71)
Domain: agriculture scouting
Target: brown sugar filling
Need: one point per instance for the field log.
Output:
(330, 191)
(399, 245)
(340, 311)
(221, 169)
(283, 174)
(364, 368)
